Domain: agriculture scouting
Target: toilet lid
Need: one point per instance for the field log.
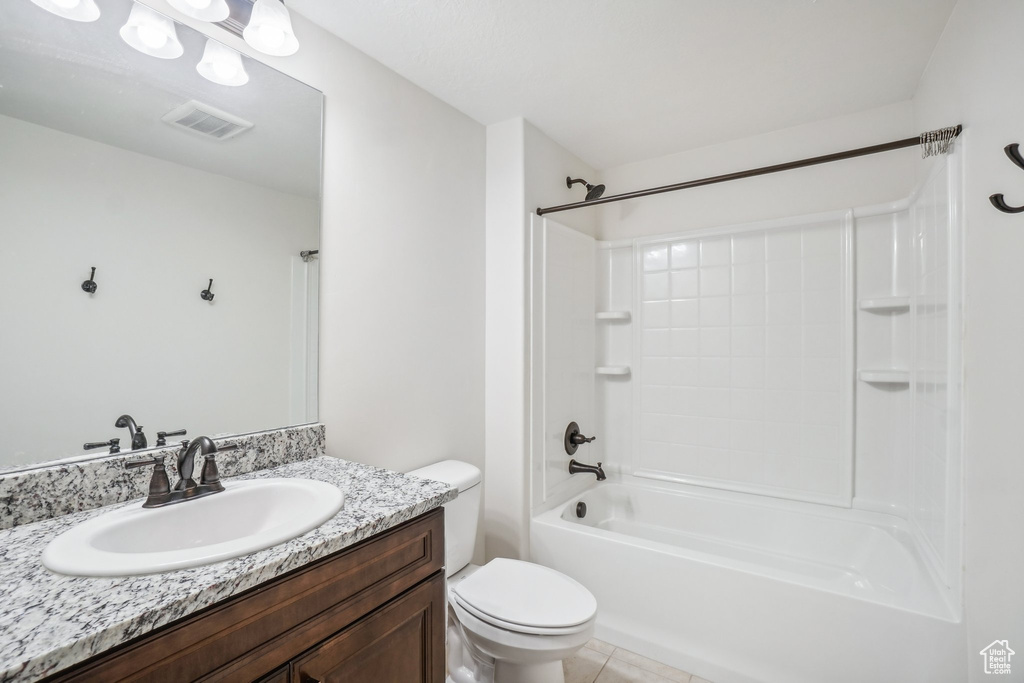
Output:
(526, 594)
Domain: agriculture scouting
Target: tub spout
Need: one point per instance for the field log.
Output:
(577, 467)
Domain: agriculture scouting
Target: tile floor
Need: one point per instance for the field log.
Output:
(599, 662)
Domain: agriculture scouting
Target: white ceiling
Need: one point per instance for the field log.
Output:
(81, 78)
(623, 80)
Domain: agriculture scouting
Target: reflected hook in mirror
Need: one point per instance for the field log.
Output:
(206, 294)
(90, 284)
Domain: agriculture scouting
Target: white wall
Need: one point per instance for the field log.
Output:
(854, 182)
(546, 166)
(973, 78)
(525, 169)
(402, 259)
(145, 343)
(505, 486)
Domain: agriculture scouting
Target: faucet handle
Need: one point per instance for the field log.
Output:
(157, 460)
(210, 475)
(161, 437)
(113, 443)
(159, 484)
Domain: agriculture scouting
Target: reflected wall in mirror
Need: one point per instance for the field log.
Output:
(93, 174)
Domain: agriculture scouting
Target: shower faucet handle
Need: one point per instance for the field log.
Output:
(574, 439)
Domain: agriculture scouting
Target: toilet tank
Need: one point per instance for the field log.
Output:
(461, 514)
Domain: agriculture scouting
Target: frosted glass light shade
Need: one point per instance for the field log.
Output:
(222, 65)
(76, 10)
(151, 33)
(270, 29)
(206, 10)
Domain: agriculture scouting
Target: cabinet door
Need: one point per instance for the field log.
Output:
(402, 642)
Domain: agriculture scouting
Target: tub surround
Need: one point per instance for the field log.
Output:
(770, 590)
(63, 487)
(52, 621)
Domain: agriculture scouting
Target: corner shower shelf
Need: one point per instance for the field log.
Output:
(614, 315)
(884, 376)
(612, 370)
(888, 304)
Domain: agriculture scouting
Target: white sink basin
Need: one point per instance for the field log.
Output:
(247, 516)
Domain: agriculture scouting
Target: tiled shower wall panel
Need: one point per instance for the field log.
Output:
(743, 342)
(614, 347)
(564, 260)
(936, 375)
(882, 442)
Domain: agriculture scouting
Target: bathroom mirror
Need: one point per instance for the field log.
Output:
(140, 167)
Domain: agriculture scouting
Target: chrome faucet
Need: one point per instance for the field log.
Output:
(160, 491)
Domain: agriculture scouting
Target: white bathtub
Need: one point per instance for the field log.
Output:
(741, 588)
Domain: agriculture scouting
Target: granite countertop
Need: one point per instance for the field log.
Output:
(50, 621)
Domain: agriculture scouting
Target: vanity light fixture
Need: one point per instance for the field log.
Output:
(206, 10)
(151, 33)
(222, 65)
(270, 29)
(76, 10)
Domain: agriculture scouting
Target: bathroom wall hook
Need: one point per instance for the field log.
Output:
(206, 294)
(1014, 155)
(90, 284)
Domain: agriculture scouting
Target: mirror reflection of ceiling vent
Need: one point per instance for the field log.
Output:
(207, 121)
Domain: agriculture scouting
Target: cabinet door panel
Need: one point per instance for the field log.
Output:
(395, 644)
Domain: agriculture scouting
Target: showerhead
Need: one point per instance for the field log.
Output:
(593, 191)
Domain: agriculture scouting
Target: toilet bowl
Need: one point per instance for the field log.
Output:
(509, 621)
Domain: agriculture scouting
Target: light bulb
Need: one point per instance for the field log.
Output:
(152, 37)
(222, 65)
(272, 35)
(76, 10)
(225, 70)
(204, 10)
(151, 33)
(270, 29)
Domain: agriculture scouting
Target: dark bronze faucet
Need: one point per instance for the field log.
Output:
(577, 467)
(160, 491)
(134, 431)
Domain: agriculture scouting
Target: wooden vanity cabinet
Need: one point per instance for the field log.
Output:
(372, 612)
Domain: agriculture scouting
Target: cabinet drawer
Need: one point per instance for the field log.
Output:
(256, 632)
(399, 642)
(281, 675)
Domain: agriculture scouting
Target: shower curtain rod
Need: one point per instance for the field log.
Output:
(764, 170)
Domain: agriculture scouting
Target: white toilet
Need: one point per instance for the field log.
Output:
(509, 621)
